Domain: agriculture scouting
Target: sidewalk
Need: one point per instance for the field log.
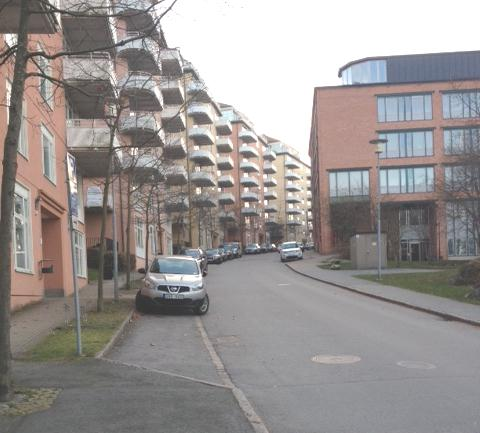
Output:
(446, 308)
(34, 322)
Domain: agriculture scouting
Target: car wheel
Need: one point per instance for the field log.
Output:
(203, 307)
(140, 303)
(282, 260)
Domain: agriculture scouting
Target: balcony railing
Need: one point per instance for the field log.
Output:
(226, 198)
(141, 53)
(202, 178)
(249, 167)
(143, 128)
(176, 204)
(89, 67)
(143, 91)
(201, 136)
(271, 208)
(269, 155)
(225, 163)
(249, 196)
(270, 181)
(270, 195)
(41, 20)
(269, 168)
(139, 14)
(248, 151)
(173, 118)
(291, 163)
(202, 157)
(249, 181)
(204, 199)
(293, 198)
(226, 181)
(172, 63)
(175, 147)
(290, 175)
(293, 211)
(201, 113)
(224, 145)
(250, 211)
(227, 216)
(247, 136)
(176, 175)
(197, 91)
(223, 126)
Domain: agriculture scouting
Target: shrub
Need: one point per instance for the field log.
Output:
(93, 255)
(468, 274)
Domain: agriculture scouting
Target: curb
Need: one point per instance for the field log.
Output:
(115, 336)
(446, 316)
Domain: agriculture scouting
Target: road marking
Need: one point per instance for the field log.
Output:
(283, 284)
(420, 365)
(336, 359)
(255, 421)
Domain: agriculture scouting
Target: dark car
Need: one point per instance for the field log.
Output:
(214, 256)
(238, 245)
(228, 251)
(199, 254)
(222, 252)
(263, 248)
(252, 249)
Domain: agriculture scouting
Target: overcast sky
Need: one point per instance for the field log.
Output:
(265, 56)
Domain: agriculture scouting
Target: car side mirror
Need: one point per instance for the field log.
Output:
(142, 271)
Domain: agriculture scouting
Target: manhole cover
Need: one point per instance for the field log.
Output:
(336, 359)
(416, 364)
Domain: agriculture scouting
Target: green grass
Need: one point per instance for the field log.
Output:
(433, 283)
(92, 274)
(344, 264)
(97, 331)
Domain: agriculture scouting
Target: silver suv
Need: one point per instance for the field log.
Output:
(173, 281)
(290, 251)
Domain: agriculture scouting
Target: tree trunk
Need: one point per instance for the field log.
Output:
(8, 200)
(127, 228)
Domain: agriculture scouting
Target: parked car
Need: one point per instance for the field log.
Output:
(252, 249)
(290, 251)
(238, 246)
(198, 254)
(229, 251)
(263, 248)
(214, 256)
(173, 281)
(222, 252)
(309, 246)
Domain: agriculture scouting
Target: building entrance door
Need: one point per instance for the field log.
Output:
(51, 265)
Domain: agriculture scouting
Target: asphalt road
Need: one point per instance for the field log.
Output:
(409, 372)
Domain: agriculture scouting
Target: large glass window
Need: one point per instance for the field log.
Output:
(22, 138)
(400, 108)
(461, 105)
(45, 85)
(407, 144)
(48, 152)
(140, 238)
(22, 231)
(372, 71)
(349, 183)
(80, 253)
(462, 178)
(460, 230)
(457, 141)
(407, 180)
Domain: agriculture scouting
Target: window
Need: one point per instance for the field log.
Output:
(22, 138)
(407, 180)
(460, 230)
(48, 151)
(80, 253)
(457, 141)
(414, 216)
(462, 178)
(45, 85)
(80, 203)
(353, 183)
(139, 238)
(22, 231)
(372, 71)
(152, 233)
(461, 105)
(404, 107)
(407, 144)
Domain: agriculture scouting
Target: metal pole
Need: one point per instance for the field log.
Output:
(379, 220)
(76, 299)
(116, 296)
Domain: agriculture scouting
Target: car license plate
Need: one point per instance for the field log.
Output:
(173, 296)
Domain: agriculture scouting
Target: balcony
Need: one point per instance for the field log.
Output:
(247, 136)
(293, 198)
(144, 167)
(249, 167)
(269, 168)
(202, 178)
(204, 199)
(290, 175)
(202, 158)
(176, 175)
(292, 164)
(89, 142)
(174, 147)
(94, 199)
(249, 181)
(250, 211)
(172, 63)
(197, 91)
(270, 195)
(269, 155)
(177, 203)
(248, 151)
(143, 92)
(224, 145)
(173, 119)
(224, 163)
(227, 216)
(270, 221)
(294, 223)
(139, 14)
(141, 54)
(201, 136)
(293, 187)
(226, 198)
(172, 91)
(88, 26)
(143, 129)
(271, 208)
(40, 22)
(223, 126)
(270, 181)
(226, 181)
(89, 78)
(202, 114)
(293, 211)
(249, 196)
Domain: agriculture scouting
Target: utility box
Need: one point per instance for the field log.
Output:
(364, 251)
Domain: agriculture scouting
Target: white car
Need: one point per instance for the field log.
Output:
(290, 251)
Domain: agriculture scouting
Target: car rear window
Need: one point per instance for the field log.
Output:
(174, 266)
(290, 245)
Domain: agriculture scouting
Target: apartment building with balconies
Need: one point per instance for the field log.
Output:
(427, 108)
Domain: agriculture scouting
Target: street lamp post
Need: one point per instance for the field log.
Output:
(378, 143)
